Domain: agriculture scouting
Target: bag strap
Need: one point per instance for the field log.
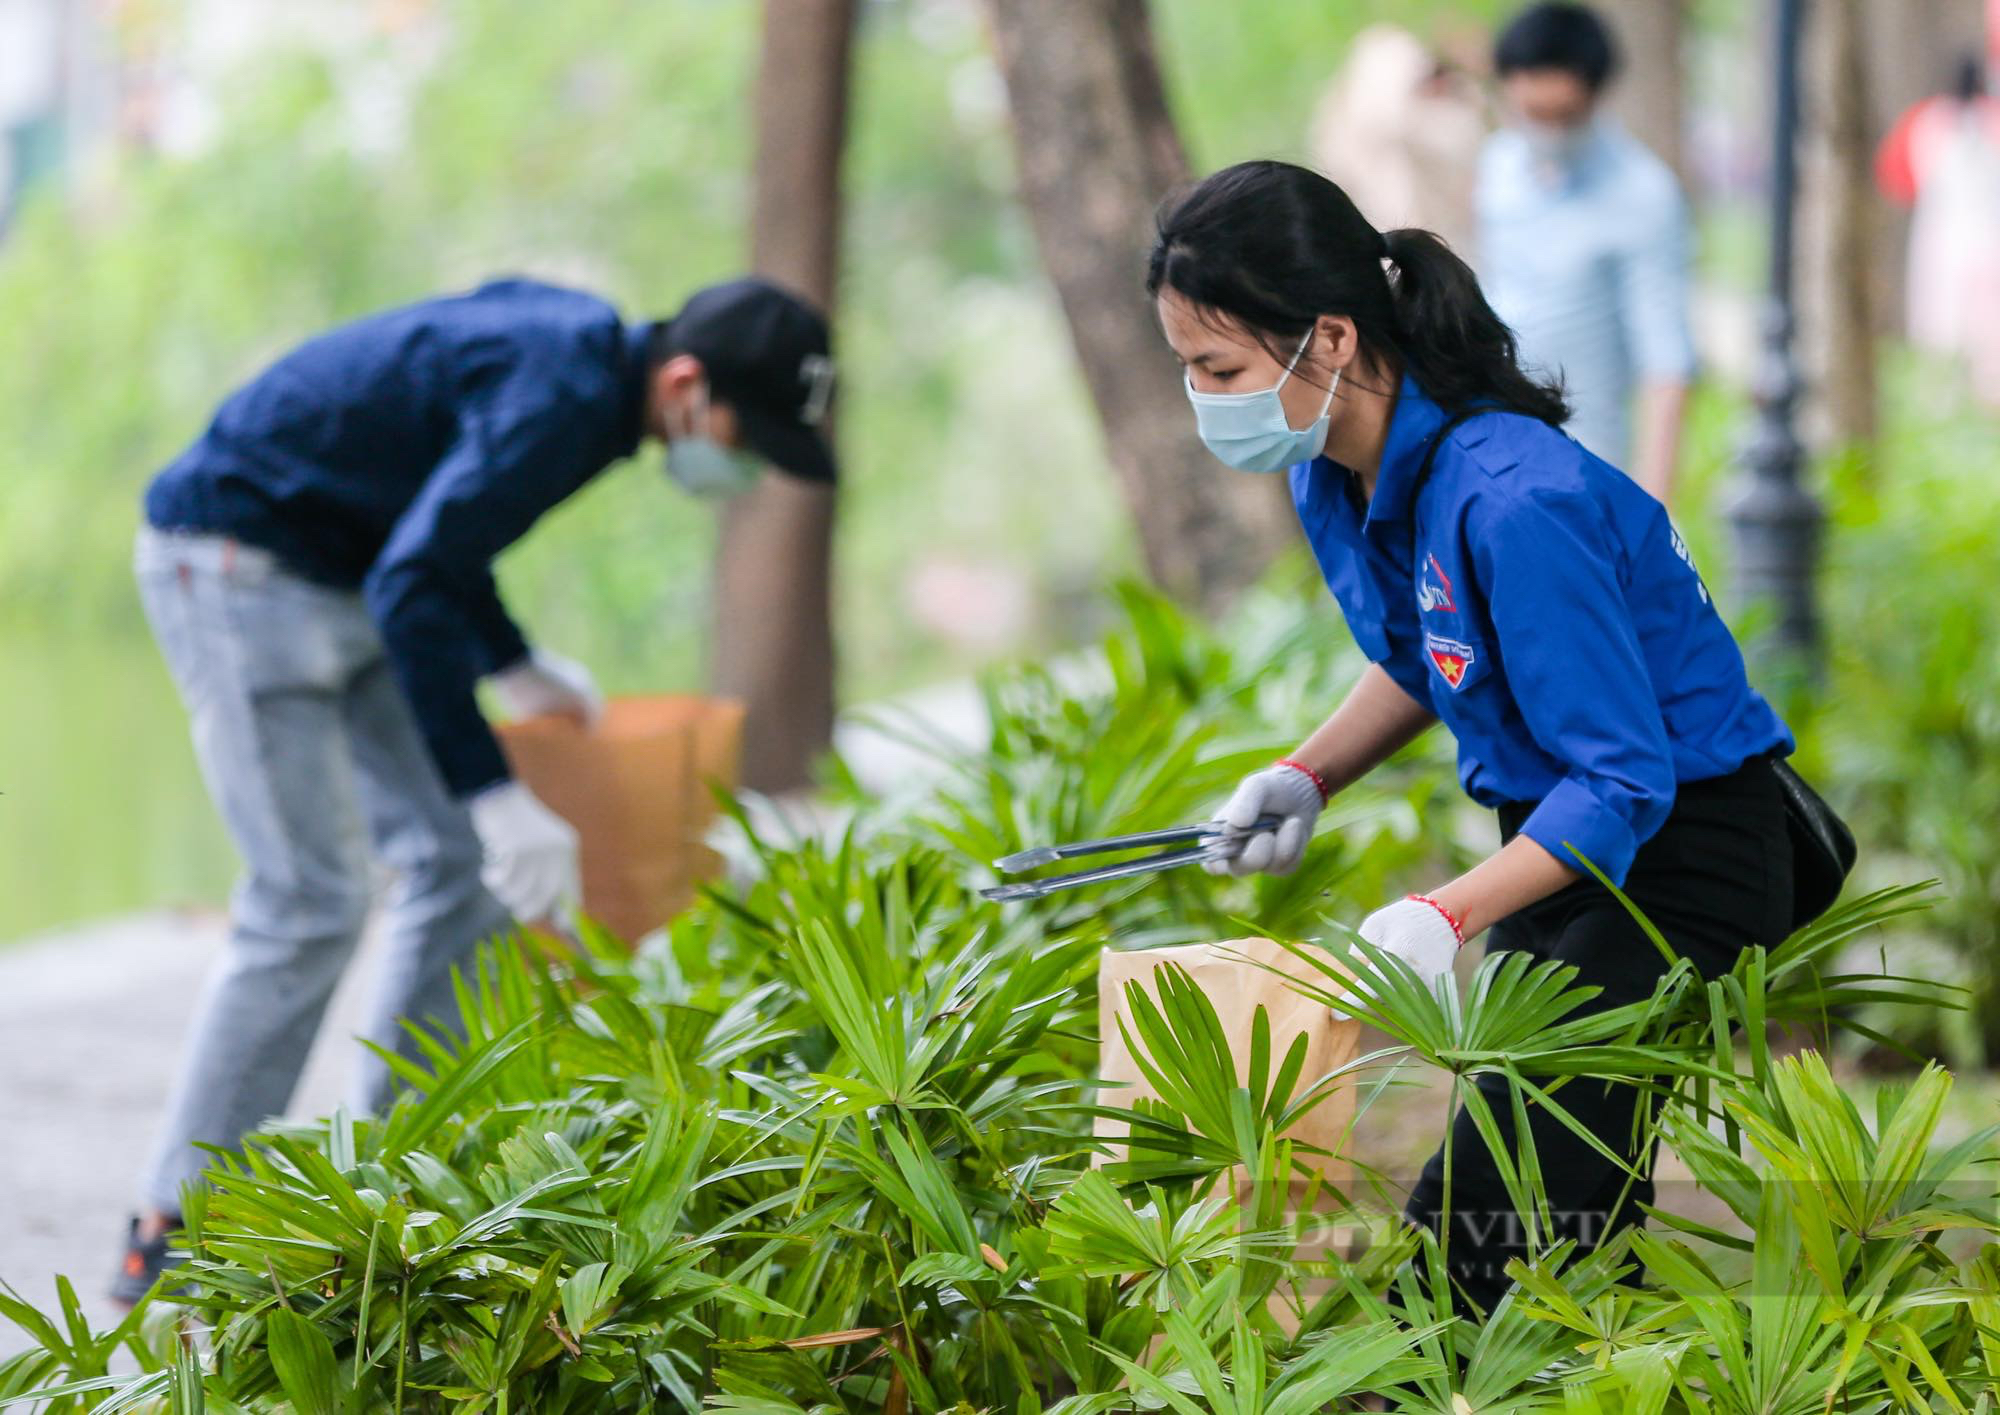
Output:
(1449, 426)
(1445, 429)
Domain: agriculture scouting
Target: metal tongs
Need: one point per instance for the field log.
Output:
(1204, 838)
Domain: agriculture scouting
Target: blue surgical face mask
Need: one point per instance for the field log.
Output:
(1250, 431)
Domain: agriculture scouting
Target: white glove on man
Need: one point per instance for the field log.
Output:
(531, 854)
(1417, 930)
(1287, 791)
(544, 683)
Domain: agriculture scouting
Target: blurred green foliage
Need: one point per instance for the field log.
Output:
(606, 143)
(1907, 730)
(1900, 724)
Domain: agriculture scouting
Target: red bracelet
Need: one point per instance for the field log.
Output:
(1318, 781)
(1457, 929)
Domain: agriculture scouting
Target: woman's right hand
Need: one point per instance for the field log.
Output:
(1286, 790)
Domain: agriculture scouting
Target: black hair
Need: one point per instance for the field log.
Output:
(1573, 38)
(1271, 247)
(660, 343)
(1969, 82)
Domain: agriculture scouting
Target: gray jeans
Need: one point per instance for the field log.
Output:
(314, 758)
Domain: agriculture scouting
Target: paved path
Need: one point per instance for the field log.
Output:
(92, 1020)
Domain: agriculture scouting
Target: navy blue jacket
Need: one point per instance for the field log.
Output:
(1543, 606)
(399, 454)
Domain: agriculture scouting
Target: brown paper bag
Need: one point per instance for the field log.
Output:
(1235, 987)
(637, 787)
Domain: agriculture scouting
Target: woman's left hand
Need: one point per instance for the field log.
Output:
(1417, 930)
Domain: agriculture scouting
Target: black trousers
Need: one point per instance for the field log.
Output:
(1714, 880)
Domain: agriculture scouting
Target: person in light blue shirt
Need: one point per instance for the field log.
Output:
(1584, 244)
(1507, 582)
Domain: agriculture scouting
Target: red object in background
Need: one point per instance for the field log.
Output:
(1901, 162)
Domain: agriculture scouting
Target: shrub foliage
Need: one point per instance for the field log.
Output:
(825, 1146)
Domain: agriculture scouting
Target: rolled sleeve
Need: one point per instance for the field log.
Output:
(1578, 677)
(1574, 821)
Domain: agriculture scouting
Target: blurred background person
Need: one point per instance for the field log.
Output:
(1399, 129)
(1942, 159)
(1584, 243)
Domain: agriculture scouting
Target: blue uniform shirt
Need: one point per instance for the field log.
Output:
(399, 454)
(1542, 605)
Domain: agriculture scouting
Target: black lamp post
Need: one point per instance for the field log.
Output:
(1774, 521)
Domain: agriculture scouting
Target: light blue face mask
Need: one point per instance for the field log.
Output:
(1557, 148)
(703, 467)
(1250, 432)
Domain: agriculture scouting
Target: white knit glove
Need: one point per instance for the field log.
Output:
(1287, 791)
(1416, 930)
(531, 854)
(545, 684)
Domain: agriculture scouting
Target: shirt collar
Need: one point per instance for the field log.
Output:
(638, 364)
(1412, 424)
(1595, 159)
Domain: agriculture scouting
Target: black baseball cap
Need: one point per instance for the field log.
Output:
(767, 355)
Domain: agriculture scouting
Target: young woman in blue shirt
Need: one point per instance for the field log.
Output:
(1506, 582)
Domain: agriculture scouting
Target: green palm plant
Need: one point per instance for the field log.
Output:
(1240, 1379)
(1865, 1209)
(69, 1366)
(1155, 729)
(826, 1147)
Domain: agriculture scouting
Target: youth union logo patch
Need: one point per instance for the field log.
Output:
(1450, 658)
(1434, 588)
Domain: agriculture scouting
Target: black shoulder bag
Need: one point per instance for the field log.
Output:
(1823, 848)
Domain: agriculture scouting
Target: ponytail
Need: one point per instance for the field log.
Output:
(1273, 246)
(1456, 346)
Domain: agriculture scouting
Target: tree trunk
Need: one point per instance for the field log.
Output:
(1912, 50)
(774, 564)
(1097, 150)
(1842, 221)
(1649, 93)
